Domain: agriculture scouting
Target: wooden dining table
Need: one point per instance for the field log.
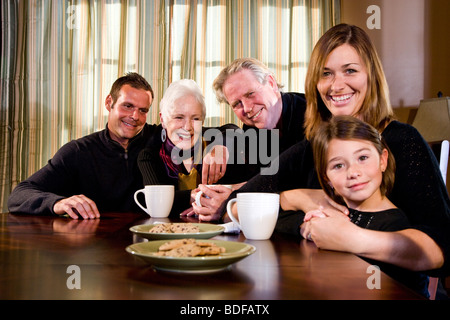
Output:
(39, 255)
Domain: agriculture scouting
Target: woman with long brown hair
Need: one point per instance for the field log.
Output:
(345, 77)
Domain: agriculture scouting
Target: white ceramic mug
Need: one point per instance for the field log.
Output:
(158, 200)
(200, 193)
(257, 213)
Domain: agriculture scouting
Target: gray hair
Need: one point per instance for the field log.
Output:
(179, 89)
(259, 70)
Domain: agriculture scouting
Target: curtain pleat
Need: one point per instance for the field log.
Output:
(60, 58)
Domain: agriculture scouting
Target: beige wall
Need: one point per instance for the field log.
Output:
(413, 43)
(414, 46)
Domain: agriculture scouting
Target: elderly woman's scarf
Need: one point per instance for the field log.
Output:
(170, 155)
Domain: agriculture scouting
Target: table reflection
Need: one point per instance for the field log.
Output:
(35, 253)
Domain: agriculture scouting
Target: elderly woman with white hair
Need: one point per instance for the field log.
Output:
(179, 155)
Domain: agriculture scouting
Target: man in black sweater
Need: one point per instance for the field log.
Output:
(255, 96)
(98, 172)
(251, 89)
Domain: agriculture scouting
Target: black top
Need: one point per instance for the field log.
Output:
(94, 165)
(391, 220)
(387, 220)
(290, 131)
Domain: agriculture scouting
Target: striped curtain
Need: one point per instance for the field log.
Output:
(60, 58)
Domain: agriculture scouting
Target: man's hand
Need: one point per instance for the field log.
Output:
(214, 164)
(214, 197)
(75, 206)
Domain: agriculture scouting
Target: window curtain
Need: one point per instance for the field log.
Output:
(60, 58)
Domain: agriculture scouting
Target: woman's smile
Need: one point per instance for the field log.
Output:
(184, 124)
(341, 99)
(344, 81)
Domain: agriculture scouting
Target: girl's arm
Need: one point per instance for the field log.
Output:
(409, 248)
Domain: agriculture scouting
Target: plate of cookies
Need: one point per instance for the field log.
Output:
(191, 255)
(163, 231)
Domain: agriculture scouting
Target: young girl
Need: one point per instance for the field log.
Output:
(356, 169)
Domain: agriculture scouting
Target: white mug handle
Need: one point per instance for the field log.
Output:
(230, 214)
(197, 198)
(137, 201)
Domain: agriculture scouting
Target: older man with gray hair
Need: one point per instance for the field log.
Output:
(253, 92)
(255, 96)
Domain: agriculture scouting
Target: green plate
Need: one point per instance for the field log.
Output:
(234, 251)
(207, 231)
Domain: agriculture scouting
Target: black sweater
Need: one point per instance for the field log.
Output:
(94, 165)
